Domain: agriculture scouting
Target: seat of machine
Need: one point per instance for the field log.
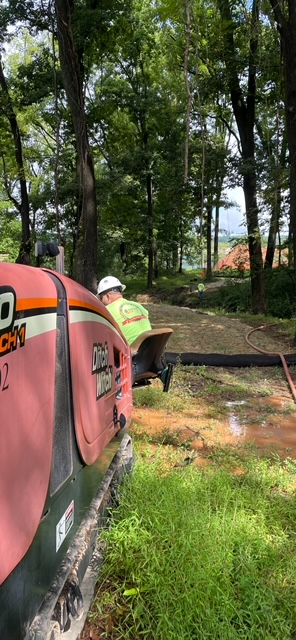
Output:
(161, 337)
(147, 354)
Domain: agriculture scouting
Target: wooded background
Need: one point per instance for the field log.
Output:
(125, 123)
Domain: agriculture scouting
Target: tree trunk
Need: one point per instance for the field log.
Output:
(150, 230)
(290, 253)
(188, 90)
(181, 246)
(287, 30)
(155, 258)
(22, 207)
(256, 262)
(273, 230)
(175, 257)
(216, 235)
(276, 161)
(86, 262)
(209, 243)
(244, 113)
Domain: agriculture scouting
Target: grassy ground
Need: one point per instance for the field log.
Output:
(201, 553)
(203, 541)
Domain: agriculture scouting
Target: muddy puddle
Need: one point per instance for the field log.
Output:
(277, 431)
(268, 424)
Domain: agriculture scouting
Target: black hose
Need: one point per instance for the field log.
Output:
(263, 359)
(225, 360)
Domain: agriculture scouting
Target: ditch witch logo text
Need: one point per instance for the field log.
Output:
(10, 337)
(102, 369)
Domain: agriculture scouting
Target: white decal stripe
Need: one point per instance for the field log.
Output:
(37, 325)
(87, 316)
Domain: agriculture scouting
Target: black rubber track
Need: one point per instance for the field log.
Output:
(224, 360)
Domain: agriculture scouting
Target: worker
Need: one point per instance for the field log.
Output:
(200, 291)
(131, 316)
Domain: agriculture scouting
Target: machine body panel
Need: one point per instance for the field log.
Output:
(65, 380)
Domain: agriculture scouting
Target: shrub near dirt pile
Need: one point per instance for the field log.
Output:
(235, 294)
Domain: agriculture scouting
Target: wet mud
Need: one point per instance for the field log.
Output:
(266, 424)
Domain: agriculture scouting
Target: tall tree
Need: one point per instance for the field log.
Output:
(244, 113)
(71, 66)
(285, 15)
(23, 205)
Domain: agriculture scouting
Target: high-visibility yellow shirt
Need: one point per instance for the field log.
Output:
(131, 317)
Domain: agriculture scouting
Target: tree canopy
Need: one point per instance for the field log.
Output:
(124, 125)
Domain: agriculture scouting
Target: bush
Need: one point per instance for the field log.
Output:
(280, 292)
(235, 296)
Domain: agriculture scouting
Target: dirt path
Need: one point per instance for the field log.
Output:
(223, 405)
(205, 332)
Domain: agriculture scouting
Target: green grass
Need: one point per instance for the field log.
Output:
(198, 554)
(154, 397)
(165, 282)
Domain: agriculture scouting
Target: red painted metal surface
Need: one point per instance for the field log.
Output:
(100, 374)
(28, 302)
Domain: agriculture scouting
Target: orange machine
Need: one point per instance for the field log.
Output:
(65, 403)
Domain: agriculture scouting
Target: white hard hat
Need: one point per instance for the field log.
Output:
(109, 283)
